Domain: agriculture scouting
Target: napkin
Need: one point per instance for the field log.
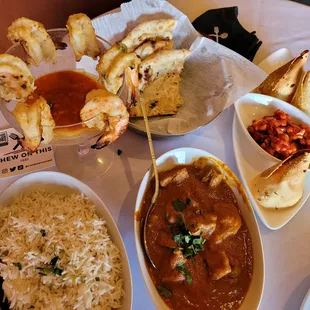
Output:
(214, 76)
(305, 2)
(222, 26)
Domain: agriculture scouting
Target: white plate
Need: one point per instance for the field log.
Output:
(256, 106)
(276, 60)
(306, 302)
(187, 156)
(65, 184)
(250, 163)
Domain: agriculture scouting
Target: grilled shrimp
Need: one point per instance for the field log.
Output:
(35, 40)
(36, 121)
(105, 112)
(16, 81)
(82, 36)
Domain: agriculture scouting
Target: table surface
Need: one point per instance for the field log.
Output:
(278, 23)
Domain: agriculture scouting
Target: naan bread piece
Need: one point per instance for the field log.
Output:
(281, 185)
(301, 99)
(161, 97)
(150, 30)
(150, 47)
(35, 40)
(82, 36)
(106, 59)
(282, 83)
(114, 76)
(16, 81)
(160, 63)
(36, 122)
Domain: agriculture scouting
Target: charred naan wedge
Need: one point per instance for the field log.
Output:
(105, 112)
(106, 59)
(35, 40)
(301, 99)
(36, 122)
(150, 47)
(82, 36)
(282, 83)
(159, 84)
(114, 77)
(281, 185)
(16, 81)
(148, 31)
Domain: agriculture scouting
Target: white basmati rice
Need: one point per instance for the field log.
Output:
(56, 254)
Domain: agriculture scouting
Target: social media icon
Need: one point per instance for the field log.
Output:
(20, 167)
(4, 171)
(12, 169)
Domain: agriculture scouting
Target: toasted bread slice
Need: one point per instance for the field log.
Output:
(161, 97)
(282, 83)
(160, 63)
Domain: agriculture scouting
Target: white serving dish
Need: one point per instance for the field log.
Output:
(306, 302)
(256, 106)
(187, 156)
(65, 184)
(276, 60)
(251, 163)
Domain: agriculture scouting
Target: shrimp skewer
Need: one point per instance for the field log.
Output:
(105, 112)
(16, 81)
(82, 36)
(35, 40)
(36, 121)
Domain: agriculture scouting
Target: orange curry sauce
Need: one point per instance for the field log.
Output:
(65, 92)
(203, 292)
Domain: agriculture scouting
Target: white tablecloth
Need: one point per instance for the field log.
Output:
(279, 23)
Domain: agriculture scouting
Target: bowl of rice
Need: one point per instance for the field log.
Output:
(60, 247)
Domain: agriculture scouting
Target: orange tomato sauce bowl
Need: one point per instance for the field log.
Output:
(186, 156)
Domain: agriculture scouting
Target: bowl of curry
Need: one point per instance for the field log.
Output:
(202, 236)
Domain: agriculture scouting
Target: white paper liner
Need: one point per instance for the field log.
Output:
(214, 76)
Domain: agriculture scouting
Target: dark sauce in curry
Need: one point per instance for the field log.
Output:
(206, 278)
(65, 92)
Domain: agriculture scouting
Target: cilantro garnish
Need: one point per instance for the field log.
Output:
(181, 268)
(189, 244)
(178, 205)
(164, 291)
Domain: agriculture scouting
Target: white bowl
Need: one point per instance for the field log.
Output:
(65, 184)
(276, 60)
(250, 163)
(187, 156)
(256, 106)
